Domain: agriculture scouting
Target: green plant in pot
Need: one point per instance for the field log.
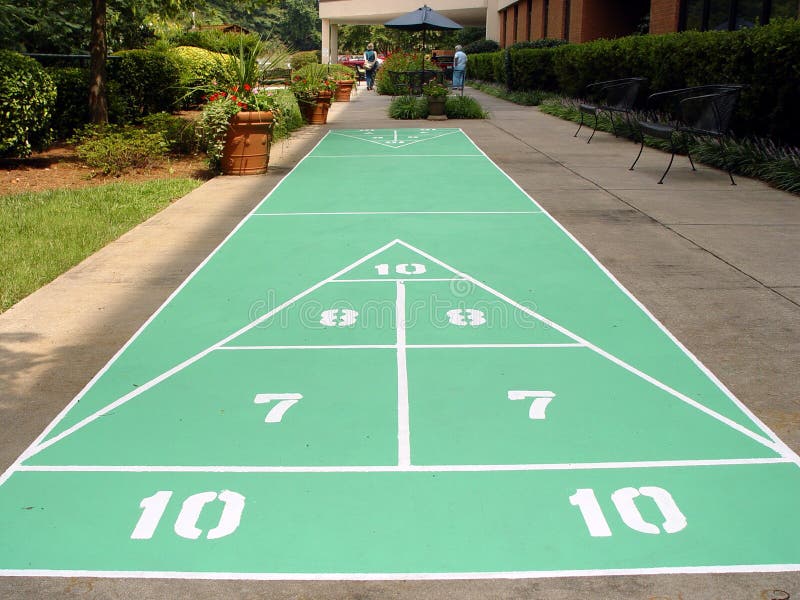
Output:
(313, 89)
(436, 95)
(237, 121)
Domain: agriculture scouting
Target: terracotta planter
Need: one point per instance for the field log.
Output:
(343, 90)
(247, 143)
(316, 112)
(436, 105)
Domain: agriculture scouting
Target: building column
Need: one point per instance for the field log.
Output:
(492, 21)
(330, 42)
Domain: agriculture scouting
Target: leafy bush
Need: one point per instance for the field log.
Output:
(483, 66)
(397, 61)
(179, 134)
(115, 150)
(542, 43)
(291, 118)
(27, 100)
(198, 67)
(72, 105)
(481, 47)
(522, 97)
(532, 69)
(148, 82)
(299, 60)
(215, 40)
(408, 107)
(464, 107)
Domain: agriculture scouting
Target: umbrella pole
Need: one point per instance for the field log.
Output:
(423, 53)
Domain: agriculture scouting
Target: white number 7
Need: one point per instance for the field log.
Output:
(539, 404)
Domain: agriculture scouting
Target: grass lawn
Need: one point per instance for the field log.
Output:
(44, 234)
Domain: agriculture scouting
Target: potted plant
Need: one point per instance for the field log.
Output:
(345, 78)
(238, 119)
(436, 95)
(313, 89)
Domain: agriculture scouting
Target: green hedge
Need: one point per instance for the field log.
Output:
(301, 59)
(765, 59)
(27, 100)
(215, 40)
(198, 67)
(149, 82)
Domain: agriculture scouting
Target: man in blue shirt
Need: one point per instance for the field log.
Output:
(459, 68)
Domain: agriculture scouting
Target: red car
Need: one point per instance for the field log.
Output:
(356, 60)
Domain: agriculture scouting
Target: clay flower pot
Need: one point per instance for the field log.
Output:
(247, 143)
(436, 105)
(316, 111)
(343, 90)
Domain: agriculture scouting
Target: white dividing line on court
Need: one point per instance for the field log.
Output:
(31, 451)
(407, 346)
(403, 421)
(712, 413)
(385, 279)
(777, 568)
(779, 445)
(644, 464)
(33, 447)
(393, 146)
(413, 212)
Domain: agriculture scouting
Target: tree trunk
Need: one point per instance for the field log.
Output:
(98, 104)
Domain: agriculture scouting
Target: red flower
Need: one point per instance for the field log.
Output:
(247, 87)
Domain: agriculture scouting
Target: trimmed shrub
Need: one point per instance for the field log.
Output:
(481, 47)
(198, 67)
(72, 106)
(215, 40)
(148, 82)
(113, 151)
(179, 134)
(301, 59)
(542, 43)
(483, 66)
(27, 100)
(291, 118)
(532, 69)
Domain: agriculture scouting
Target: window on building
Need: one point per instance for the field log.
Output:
(567, 8)
(545, 17)
(703, 15)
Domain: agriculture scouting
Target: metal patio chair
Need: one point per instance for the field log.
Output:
(704, 110)
(616, 95)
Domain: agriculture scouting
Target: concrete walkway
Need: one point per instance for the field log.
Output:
(717, 264)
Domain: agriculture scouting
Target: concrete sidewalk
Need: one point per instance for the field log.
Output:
(717, 264)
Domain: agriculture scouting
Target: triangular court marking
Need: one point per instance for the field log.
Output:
(394, 145)
(618, 361)
(190, 361)
(576, 338)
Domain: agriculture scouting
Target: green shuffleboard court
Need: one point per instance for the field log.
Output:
(421, 375)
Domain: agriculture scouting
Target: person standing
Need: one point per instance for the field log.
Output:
(459, 68)
(370, 65)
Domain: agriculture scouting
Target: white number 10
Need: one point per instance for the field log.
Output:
(623, 500)
(154, 506)
(402, 269)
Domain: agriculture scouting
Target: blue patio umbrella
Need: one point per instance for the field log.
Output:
(422, 19)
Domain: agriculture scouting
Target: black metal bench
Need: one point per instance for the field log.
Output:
(616, 95)
(704, 110)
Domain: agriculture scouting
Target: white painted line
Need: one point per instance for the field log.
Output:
(353, 347)
(576, 345)
(413, 279)
(781, 447)
(403, 421)
(35, 443)
(396, 156)
(406, 145)
(776, 568)
(417, 212)
(722, 418)
(190, 361)
(646, 464)
(394, 346)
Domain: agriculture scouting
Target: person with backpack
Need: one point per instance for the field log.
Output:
(370, 65)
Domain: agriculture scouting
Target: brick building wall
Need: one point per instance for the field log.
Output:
(664, 16)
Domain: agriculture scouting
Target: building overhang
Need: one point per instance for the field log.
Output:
(467, 13)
